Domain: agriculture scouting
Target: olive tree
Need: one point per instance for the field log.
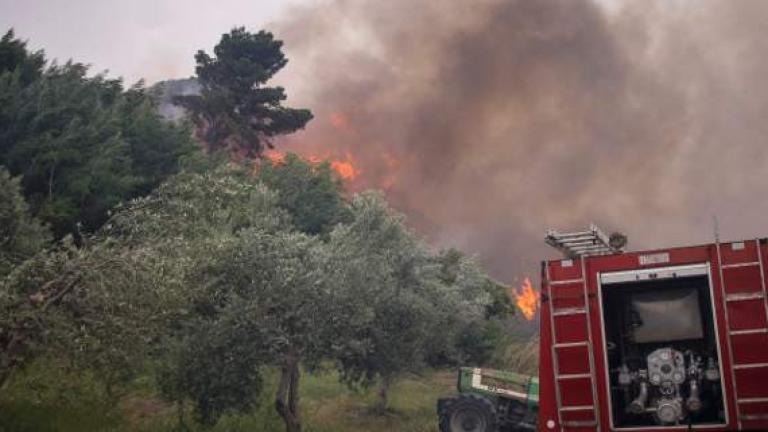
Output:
(207, 362)
(272, 289)
(400, 305)
(103, 304)
(469, 306)
(383, 284)
(91, 306)
(257, 290)
(194, 220)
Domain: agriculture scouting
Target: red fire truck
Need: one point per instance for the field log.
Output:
(668, 339)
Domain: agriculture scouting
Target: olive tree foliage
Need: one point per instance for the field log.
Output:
(108, 303)
(384, 285)
(90, 307)
(272, 288)
(207, 362)
(470, 308)
(402, 306)
(255, 287)
(198, 209)
(192, 221)
(262, 294)
(21, 235)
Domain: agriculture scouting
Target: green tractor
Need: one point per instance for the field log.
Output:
(490, 401)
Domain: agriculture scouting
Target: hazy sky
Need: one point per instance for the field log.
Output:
(151, 39)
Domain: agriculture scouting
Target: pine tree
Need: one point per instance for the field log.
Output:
(235, 111)
(21, 235)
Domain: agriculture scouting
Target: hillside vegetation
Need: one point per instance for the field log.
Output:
(160, 275)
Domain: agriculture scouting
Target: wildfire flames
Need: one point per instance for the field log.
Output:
(274, 156)
(526, 299)
(345, 168)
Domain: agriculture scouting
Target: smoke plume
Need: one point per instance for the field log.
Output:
(489, 121)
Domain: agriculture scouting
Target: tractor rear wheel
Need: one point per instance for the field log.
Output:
(468, 413)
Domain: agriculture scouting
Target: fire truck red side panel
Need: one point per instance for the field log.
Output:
(739, 255)
(567, 352)
(570, 360)
(571, 328)
(547, 405)
(569, 295)
(744, 288)
(572, 365)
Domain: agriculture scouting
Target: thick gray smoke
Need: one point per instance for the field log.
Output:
(489, 121)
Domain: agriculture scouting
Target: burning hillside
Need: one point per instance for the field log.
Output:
(490, 121)
(345, 167)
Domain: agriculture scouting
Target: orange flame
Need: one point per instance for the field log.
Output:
(274, 156)
(527, 299)
(344, 168)
(314, 159)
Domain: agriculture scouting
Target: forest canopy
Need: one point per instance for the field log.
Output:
(80, 143)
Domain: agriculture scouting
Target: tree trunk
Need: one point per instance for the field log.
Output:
(182, 423)
(4, 374)
(207, 416)
(50, 183)
(9, 361)
(287, 398)
(383, 403)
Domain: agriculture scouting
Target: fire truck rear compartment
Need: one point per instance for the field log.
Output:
(661, 349)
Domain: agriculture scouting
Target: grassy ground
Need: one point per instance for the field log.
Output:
(49, 399)
(327, 405)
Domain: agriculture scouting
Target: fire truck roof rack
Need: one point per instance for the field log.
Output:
(582, 243)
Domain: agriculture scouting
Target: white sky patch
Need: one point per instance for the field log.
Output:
(150, 39)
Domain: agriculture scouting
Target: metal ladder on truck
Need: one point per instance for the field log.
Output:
(741, 269)
(575, 379)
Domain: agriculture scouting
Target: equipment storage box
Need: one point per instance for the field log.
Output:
(657, 340)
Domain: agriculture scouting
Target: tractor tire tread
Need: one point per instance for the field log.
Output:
(488, 406)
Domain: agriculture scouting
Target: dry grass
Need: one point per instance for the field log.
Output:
(522, 357)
